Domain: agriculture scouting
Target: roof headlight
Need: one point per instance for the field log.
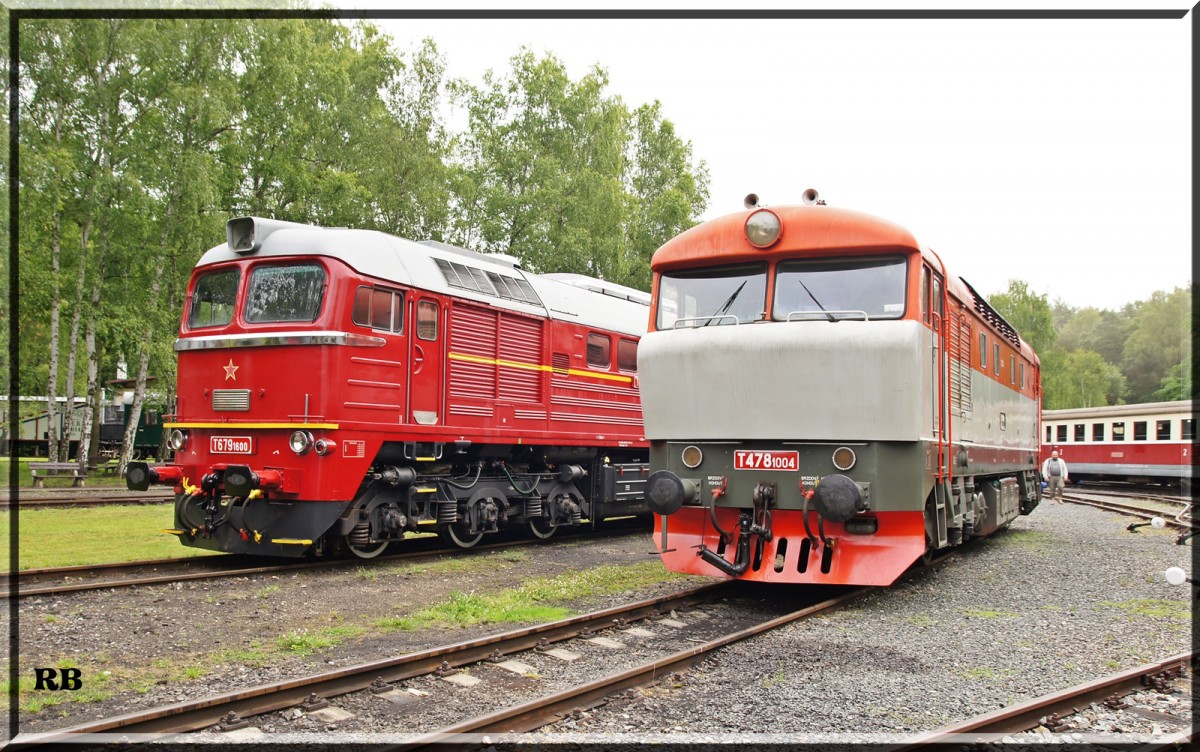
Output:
(763, 228)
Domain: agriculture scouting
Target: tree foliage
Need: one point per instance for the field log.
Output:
(1091, 357)
(139, 138)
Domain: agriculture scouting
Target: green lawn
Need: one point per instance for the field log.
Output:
(25, 480)
(67, 537)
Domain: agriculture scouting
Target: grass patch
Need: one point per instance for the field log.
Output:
(445, 565)
(1156, 608)
(980, 613)
(62, 538)
(986, 673)
(305, 643)
(921, 620)
(535, 600)
(1034, 540)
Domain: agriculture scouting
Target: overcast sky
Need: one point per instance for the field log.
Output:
(1057, 152)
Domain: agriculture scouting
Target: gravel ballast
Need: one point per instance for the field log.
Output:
(1064, 596)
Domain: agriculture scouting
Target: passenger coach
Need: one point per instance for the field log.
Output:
(826, 402)
(1153, 442)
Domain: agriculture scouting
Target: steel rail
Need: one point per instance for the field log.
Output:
(536, 713)
(1028, 715)
(1128, 509)
(439, 548)
(194, 715)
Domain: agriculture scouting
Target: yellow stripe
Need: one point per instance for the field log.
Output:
(330, 426)
(537, 367)
(292, 540)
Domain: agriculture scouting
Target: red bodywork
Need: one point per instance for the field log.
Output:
(488, 375)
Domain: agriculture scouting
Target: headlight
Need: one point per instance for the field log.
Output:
(692, 456)
(843, 458)
(762, 228)
(301, 442)
(178, 439)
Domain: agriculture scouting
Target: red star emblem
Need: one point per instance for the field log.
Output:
(230, 371)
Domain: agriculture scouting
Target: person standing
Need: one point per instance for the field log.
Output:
(1054, 470)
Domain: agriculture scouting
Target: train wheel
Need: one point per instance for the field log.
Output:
(542, 528)
(459, 535)
(366, 552)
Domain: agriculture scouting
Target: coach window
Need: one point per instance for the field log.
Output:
(1187, 429)
(996, 358)
(599, 351)
(1118, 431)
(626, 355)
(983, 349)
(284, 293)
(213, 299)
(1048, 430)
(1162, 430)
(712, 297)
(1022, 385)
(379, 309)
(1139, 430)
(1061, 433)
(1080, 432)
(1012, 368)
(1097, 432)
(427, 320)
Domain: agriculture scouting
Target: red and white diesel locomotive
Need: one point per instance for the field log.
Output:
(825, 403)
(340, 388)
(1152, 442)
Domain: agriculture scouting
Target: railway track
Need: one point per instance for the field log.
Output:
(29, 499)
(1178, 516)
(1051, 711)
(61, 580)
(215, 711)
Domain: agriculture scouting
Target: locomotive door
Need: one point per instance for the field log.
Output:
(426, 362)
(937, 320)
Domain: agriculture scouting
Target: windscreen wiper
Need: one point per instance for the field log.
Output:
(725, 307)
(828, 315)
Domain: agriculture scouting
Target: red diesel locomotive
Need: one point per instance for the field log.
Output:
(340, 388)
(825, 403)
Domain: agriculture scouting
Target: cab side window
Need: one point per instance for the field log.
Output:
(379, 308)
(599, 351)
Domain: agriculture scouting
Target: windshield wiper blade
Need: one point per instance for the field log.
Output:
(725, 306)
(828, 315)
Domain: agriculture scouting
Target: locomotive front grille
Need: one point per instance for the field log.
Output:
(231, 399)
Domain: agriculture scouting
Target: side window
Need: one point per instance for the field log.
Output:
(213, 299)
(1080, 432)
(1097, 432)
(1061, 433)
(1012, 368)
(925, 294)
(379, 308)
(427, 320)
(1162, 430)
(1048, 430)
(983, 349)
(1118, 431)
(1139, 430)
(599, 351)
(1022, 384)
(1187, 429)
(996, 358)
(626, 355)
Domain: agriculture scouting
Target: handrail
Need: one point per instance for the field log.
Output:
(827, 314)
(709, 319)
